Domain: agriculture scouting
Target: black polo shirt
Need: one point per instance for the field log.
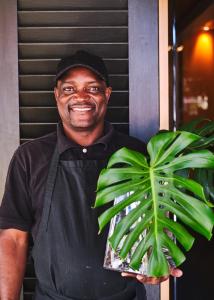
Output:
(22, 202)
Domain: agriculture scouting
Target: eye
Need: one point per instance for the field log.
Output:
(68, 89)
(94, 89)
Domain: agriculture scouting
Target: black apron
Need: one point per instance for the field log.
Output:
(68, 253)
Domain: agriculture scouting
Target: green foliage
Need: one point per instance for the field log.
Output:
(158, 190)
(205, 129)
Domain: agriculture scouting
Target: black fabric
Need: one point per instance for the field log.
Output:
(46, 294)
(22, 202)
(68, 253)
(84, 59)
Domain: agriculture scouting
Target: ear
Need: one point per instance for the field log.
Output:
(56, 93)
(108, 91)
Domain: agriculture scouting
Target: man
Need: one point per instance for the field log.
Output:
(49, 192)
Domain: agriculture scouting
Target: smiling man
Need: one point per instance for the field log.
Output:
(82, 96)
(50, 190)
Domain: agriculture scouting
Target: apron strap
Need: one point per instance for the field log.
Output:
(48, 192)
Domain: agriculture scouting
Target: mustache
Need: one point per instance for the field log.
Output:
(81, 103)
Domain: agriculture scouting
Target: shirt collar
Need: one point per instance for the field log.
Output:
(65, 143)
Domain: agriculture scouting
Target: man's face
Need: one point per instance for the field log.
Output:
(82, 99)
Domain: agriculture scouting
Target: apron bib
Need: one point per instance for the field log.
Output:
(68, 253)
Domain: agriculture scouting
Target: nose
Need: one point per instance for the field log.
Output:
(82, 95)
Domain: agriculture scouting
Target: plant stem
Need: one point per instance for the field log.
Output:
(155, 202)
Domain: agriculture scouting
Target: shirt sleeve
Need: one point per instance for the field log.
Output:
(16, 207)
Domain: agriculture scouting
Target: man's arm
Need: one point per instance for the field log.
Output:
(13, 256)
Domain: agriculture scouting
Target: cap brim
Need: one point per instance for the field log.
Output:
(62, 72)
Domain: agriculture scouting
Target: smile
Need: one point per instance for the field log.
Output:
(82, 108)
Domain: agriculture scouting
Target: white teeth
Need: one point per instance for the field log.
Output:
(81, 109)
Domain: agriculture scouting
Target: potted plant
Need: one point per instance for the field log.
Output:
(155, 201)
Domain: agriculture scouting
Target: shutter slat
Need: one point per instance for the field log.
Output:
(79, 34)
(32, 131)
(58, 50)
(28, 296)
(48, 66)
(71, 4)
(73, 18)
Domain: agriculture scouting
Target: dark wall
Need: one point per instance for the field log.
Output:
(9, 112)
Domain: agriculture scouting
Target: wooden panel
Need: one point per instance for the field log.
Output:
(144, 79)
(39, 115)
(46, 82)
(73, 18)
(71, 4)
(58, 50)
(163, 67)
(143, 68)
(31, 131)
(72, 34)
(9, 113)
(164, 92)
(46, 98)
(48, 66)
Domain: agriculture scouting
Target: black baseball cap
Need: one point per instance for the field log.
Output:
(82, 58)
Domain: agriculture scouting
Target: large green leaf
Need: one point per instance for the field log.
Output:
(205, 129)
(206, 178)
(155, 187)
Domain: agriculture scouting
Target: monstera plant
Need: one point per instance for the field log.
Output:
(205, 129)
(156, 184)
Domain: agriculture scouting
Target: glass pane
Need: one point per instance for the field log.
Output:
(191, 73)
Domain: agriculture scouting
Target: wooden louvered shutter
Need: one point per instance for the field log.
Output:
(49, 30)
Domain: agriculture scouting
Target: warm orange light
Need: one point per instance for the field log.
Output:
(203, 55)
(180, 48)
(170, 48)
(206, 28)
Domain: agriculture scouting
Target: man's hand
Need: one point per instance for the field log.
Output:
(153, 280)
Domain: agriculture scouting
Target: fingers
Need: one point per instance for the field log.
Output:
(153, 280)
(176, 272)
(124, 274)
(146, 279)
